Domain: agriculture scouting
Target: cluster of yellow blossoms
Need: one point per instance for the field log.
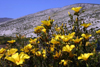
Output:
(65, 38)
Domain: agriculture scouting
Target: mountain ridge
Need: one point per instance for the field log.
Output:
(5, 19)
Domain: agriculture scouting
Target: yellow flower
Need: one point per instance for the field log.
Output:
(18, 59)
(38, 29)
(27, 48)
(66, 39)
(11, 51)
(87, 43)
(52, 48)
(33, 41)
(12, 41)
(68, 48)
(86, 24)
(57, 37)
(70, 36)
(98, 31)
(86, 36)
(38, 53)
(54, 41)
(58, 29)
(43, 30)
(44, 53)
(2, 51)
(47, 23)
(34, 50)
(24, 56)
(57, 54)
(76, 9)
(85, 56)
(62, 37)
(77, 40)
(68, 12)
(65, 62)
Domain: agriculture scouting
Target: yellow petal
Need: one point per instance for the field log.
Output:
(76, 9)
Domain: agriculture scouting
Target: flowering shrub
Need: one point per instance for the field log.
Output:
(59, 48)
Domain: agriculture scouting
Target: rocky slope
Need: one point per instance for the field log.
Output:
(25, 25)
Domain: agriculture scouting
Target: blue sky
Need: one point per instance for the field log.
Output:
(18, 8)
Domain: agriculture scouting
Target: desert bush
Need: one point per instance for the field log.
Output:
(57, 47)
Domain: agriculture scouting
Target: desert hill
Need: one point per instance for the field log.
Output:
(25, 25)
